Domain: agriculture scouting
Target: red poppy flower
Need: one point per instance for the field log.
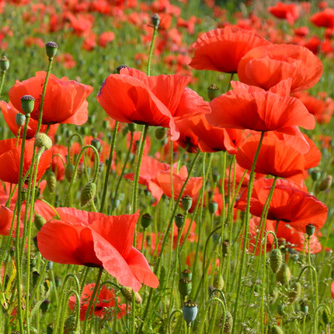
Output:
(10, 156)
(332, 290)
(289, 204)
(96, 240)
(249, 107)
(221, 49)
(281, 10)
(65, 100)
(106, 37)
(324, 19)
(155, 100)
(6, 219)
(9, 113)
(105, 305)
(266, 66)
(188, 139)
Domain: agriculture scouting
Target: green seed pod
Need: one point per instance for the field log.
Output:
(213, 92)
(27, 104)
(51, 49)
(69, 172)
(185, 286)
(316, 174)
(88, 193)
(160, 133)
(127, 293)
(69, 326)
(43, 140)
(294, 292)
(283, 275)
(4, 64)
(155, 20)
(213, 207)
(276, 260)
(20, 120)
(187, 201)
(146, 220)
(189, 311)
(186, 273)
(326, 183)
(276, 330)
(310, 229)
(179, 220)
(51, 180)
(228, 323)
(39, 221)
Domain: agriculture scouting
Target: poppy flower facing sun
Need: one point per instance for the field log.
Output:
(96, 240)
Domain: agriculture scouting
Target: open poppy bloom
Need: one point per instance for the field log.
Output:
(96, 240)
(289, 204)
(10, 156)
(9, 114)
(6, 219)
(65, 100)
(105, 305)
(134, 97)
(288, 12)
(266, 66)
(324, 19)
(250, 107)
(221, 49)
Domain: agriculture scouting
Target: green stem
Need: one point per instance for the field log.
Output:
(246, 227)
(112, 148)
(151, 51)
(3, 74)
(206, 312)
(170, 319)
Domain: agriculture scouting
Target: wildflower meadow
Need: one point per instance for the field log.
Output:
(166, 166)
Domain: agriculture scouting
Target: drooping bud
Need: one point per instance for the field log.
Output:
(69, 326)
(51, 49)
(88, 193)
(213, 92)
(20, 120)
(326, 318)
(51, 180)
(228, 323)
(294, 292)
(4, 64)
(155, 20)
(187, 201)
(43, 140)
(316, 174)
(146, 220)
(97, 144)
(39, 221)
(185, 286)
(27, 104)
(326, 183)
(160, 133)
(276, 260)
(274, 293)
(189, 311)
(283, 275)
(127, 293)
(69, 172)
(218, 281)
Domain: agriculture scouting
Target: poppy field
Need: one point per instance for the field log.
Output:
(166, 166)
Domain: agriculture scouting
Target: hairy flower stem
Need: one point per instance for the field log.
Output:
(151, 50)
(3, 75)
(246, 230)
(105, 184)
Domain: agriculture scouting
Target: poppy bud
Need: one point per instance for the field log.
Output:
(155, 20)
(326, 183)
(189, 311)
(127, 293)
(132, 127)
(27, 104)
(316, 174)
(185, 286)
(120, 67)
(276, 260)
(88, 193)
(51, 49)
(69, 172)
(226, 245)
(213, 207)
(218, 281)
(51, 180)
(326, 318)
(39, 221)
(228, 323)
(294, 292)
(146, 220)
(310, 228)
(69, 326)
(97, 144)
(20, 119)
(186, 202)
(186, 273)
(213, 92)
(283, 275)
(49, 328)
(274, 293)
(276, 330)
(43, 140)
(4, 64)
(215, 177)
(179, 220)
(303, 307)
(35, 276)
(45, 306)
(160, 133)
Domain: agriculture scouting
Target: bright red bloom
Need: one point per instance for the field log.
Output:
(105, 38)
(65, 100)
(288, 204)
(9, 113)
(96, 240)
(324, 19)
(154, 100)
(104, 306)
(284, 11)
(332, 289)
(6, 219)
(10, 156)
(221, 49)
(249, 107)
(266, 66)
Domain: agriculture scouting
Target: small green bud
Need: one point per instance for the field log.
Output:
(4, 64)
(228, 323)
(127, 293)
(276, 260)
(283, 275)
(43, 140)
(160, 133)
(294, 292)
(218, 281)
(20, 120)
(187, 201)
(179, 220)
(27, 104)
(39, 221)
(213, 92)
(310, 228)
(326, 183)
(146, 220)
(51, 180)
(88, 193)
(69, 172)
(51, 49)
(69, 326)
(97, 144)
(316, 174)
(213, 207)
